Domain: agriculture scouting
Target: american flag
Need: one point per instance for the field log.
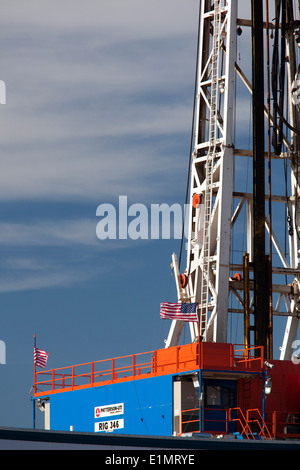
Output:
(179, 311)
(40, 357)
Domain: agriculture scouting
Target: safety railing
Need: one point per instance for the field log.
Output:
(254, 417)
(242, 421)
(284, 424)
(249, 357)
(94, 373)
(192, 423)
(151, 363)
(213, 420)
(214, 423)
(163, 361)
(277, 424)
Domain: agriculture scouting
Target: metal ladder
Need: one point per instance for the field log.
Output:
(203, 309)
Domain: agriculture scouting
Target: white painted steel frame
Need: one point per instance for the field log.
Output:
(222, 177)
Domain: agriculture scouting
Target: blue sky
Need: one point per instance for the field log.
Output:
(99, 104)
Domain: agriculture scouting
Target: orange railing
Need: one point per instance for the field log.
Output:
(229, 356)
(277, 424)
(249, 357)
(94, 373)
(254, 416)
(152, 363)
(192, 423)
(162, 361)
(242, 421)
(253, 419)
(193, 418)
(284, 423)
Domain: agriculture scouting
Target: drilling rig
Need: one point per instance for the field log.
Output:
(261, 281)
(243, 181)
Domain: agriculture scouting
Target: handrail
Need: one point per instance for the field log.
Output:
(95, 372)
(284, 423)
(246, 357)
(190, 420)
(204, 420)
(291, 418)
(244, 424)
(260, 421)
(168, 360)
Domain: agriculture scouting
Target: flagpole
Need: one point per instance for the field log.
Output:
(34, 366)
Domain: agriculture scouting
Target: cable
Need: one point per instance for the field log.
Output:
(275, 76)
(282, 71)
(284, 7)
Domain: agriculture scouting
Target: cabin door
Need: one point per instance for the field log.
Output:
(186, 404)
(218, 397)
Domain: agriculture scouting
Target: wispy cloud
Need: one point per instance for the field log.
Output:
(33, 281)
(54, 253)
(86, 92)
(131, 17)
(34, 255)
(48, 233)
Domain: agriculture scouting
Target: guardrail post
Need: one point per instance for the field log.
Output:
(226, 423)
(133, 365)
(231, 356)
(93, 372)
(274, 420)
(155, 362)
(113, 369)
(34, 382)
(53, 379)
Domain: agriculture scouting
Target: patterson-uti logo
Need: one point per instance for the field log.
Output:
(108, 410)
